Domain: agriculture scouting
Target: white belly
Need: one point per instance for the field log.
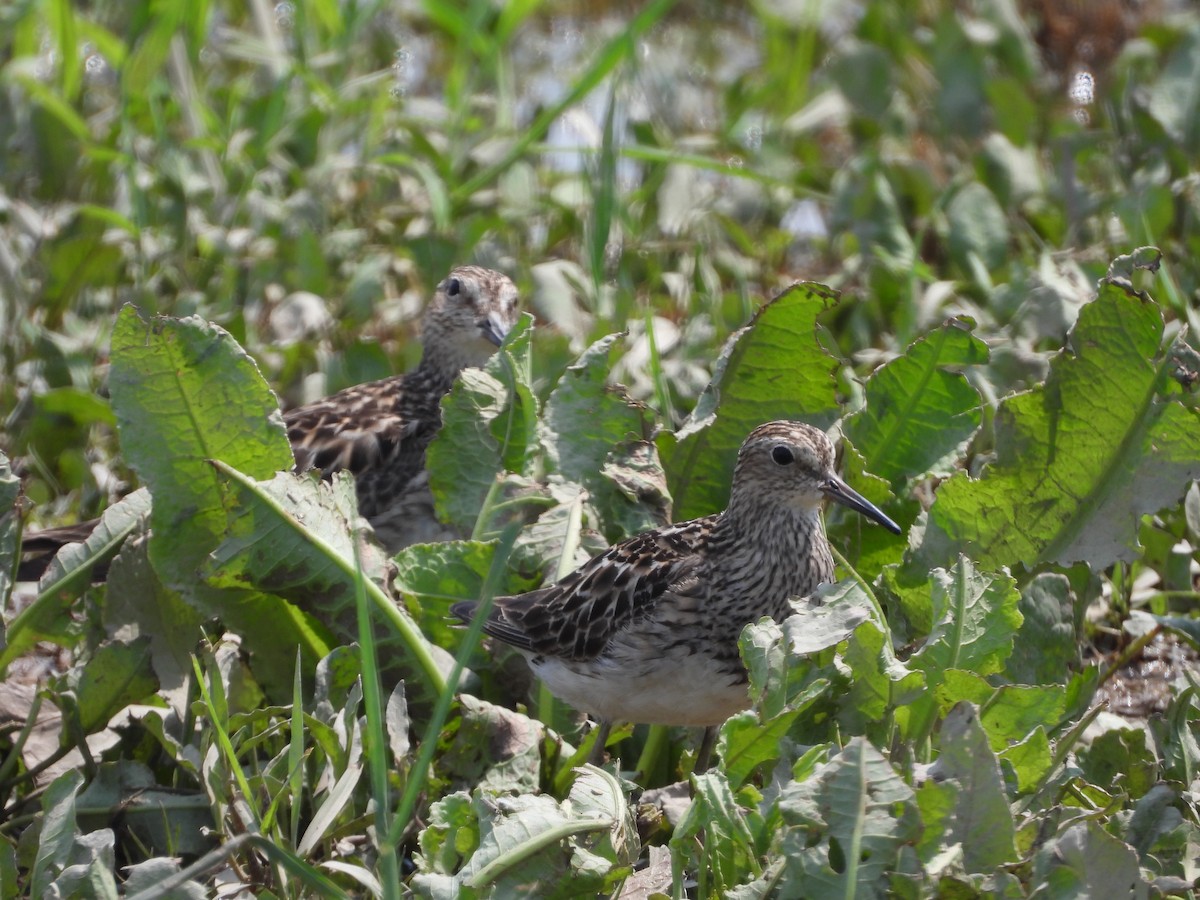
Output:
(688, 689)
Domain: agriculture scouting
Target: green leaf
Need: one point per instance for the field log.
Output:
(978, 227)
(1030, 758)
(746, 744)
(528, 843)
(983, 823)
(771, 369)
(1119, 757)
(137, 603)
(1082, 457)
(488, 428)
(439, 575)
(451, 835)
(719, 828)
(294, 536)
(975, 620)
(765, 655)
(588, 423)
(1174, 99)
(919, 408)
(116, 675)
(70, 574)
(863, 73)
(1087, 861)
(849, 826)
(57, 839)
(184, 393)
(1045, 650)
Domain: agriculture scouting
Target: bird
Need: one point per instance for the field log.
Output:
(379, 431)
(647, 631)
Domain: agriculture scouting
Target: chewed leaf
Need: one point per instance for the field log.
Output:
(1082, 457)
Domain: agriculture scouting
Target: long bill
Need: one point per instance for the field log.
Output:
(840, 492)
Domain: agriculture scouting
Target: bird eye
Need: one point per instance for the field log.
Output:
(783, 456)
(453, 286)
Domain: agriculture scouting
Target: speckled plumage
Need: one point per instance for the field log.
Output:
(647, 631)
(380, 430)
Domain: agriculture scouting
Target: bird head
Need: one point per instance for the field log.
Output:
(470, 315)
(793, 464)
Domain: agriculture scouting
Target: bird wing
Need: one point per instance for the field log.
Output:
(577, 616)
(357, 429)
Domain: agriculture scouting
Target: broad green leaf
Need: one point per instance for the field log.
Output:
(983, 823)
(149, 875)
(488, 428)
(718, 829)
(863, 73)
(919, 408)
(978, 228)
(527, 847)
(1120, 758)
(975, 619)
(879, 682)
(58, 832)
(137, 604)
(451, 835)
(184, 393)
(294, 536)
(772, 369)
(162, 819)
(1174, 99)
(1082, 457)
(1045, 650)
(587, 421)
(116, 675)
(70, 574)
(745, 743)
(492, 747)
(849, 826)
(438, 575)
(765, 655)
(936, 800)
(865, 203)
(597, 794)
(1087, 861)
(1030, 758)
(1015, 710)
(1155, 815)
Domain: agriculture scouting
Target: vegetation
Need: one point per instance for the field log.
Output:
(979, 223)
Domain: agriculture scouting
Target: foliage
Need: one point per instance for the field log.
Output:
(983, 283)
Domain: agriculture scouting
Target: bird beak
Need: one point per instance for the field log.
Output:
(494, 328)
(840, 492)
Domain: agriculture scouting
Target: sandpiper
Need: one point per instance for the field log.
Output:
(380, 430)
(647, 632)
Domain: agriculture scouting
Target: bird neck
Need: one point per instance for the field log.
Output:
(784, 543)
(437, 369)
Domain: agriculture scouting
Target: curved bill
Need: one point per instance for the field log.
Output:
(493, 328)
(840, 492)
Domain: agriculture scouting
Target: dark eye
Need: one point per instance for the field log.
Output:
(783, 455)
(453, 286)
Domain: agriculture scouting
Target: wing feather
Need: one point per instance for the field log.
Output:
(577, 617)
